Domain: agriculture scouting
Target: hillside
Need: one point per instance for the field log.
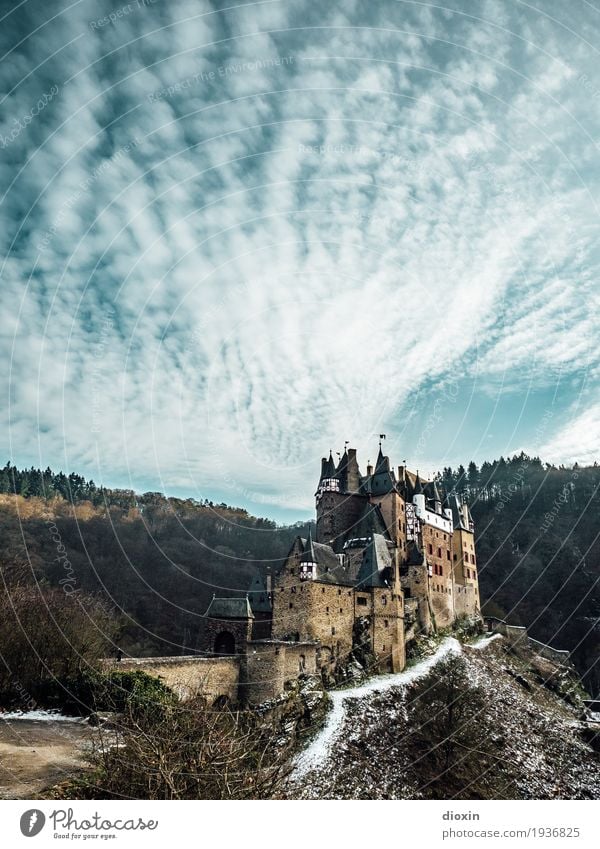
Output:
(157, 561)
(538, 549)
(467, 722)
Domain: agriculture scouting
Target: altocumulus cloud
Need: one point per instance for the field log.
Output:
(235, 237)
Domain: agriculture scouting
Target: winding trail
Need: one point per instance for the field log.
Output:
(317, 751)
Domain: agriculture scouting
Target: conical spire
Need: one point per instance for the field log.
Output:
(383, 463)
(308, 555)
(341, 472)
(330, 467)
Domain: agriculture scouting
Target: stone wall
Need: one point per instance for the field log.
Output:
(517, 635)
(388, 629)
(271, 664)
(415, 584)
(239, 631)
(437, 547)
(466, 600)
(313, 611)
(556, 655)
(186, 676)
(337, 513)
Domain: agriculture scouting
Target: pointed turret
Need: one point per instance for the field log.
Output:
(330, 469)
(308, 560)
(323, 468)
(418, 489)
(308, 555)
(328, 481)
(341, 472)
(383, 463)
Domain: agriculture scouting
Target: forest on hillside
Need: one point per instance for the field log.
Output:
(537, 532)
(155, 562)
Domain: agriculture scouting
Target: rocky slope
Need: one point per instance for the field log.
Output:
(467, 722)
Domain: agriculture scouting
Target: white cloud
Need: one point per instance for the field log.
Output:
(270, 300)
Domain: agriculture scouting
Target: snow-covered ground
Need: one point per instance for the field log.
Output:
(485, 641)
(314, 755)
(39, 716)
(533, 744)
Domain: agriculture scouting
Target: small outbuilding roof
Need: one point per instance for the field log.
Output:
(229, 608)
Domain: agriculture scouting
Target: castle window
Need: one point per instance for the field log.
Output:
(291, 571)
(293, 589)
(439, 552)
(291, 605)
(333, 631)
(384, 599)
(472, 558)
(385, 623)
(362, 601)
(339, 592)
(455, 558)
(323, 590)
(430, 548)
(441, 571)
(448, 554)
(341, 609)
(327, 609)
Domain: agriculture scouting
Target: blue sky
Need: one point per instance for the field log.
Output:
(235, 236)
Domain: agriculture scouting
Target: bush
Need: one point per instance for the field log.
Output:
(184, 750)
(50, 642)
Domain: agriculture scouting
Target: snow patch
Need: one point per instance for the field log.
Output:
(320, 747)
(40, 716)
(484, 642)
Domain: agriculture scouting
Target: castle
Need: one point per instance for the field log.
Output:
(391, 558)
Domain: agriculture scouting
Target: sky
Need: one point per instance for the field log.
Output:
(237, 235)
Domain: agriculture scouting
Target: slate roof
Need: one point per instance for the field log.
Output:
(457, 516)
(369, 522)
(415, 555)
(341, 472)
(329, 568)
(309, 554)
(376, 564)
(258, 596)
(383, 463)
(229, 608)
(327, 467)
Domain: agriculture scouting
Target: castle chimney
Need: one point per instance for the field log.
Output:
(369, 470)
(353, 472)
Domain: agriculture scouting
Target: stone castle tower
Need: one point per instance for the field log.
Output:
(391, 558)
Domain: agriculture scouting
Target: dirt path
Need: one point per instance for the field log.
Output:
(35, 754)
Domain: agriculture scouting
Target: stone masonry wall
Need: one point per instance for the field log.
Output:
(186, 676)
(437, 546)
(336, 513)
